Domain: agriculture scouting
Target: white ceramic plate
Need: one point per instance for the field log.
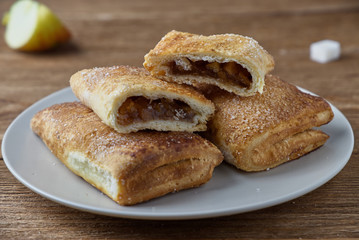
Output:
(228, 192)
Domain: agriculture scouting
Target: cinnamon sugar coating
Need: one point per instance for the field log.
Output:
(187, 49)
(105, 89)
(129, 168)
(265, 130)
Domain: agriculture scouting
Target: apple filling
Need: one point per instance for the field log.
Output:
(228, 71)
(140, 109)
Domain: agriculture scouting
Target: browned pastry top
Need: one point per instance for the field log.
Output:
(112, 92)
(247, 129)
(144, 150)
(279, 102)
(232, 62)
(229, 45)
(104, 79)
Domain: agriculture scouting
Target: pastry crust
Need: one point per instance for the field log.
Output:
(129, 168)
(228, 61)
(129, 99)
(260, 132)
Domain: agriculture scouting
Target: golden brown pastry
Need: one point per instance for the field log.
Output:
(260, 132)
(130, 99)
(129, 168)
(232, 62)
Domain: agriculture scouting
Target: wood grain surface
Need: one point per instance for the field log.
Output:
(109, 32)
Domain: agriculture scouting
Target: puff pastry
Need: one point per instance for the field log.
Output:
(260, 132)
(130, 99)
(129, 168)
(232, 62)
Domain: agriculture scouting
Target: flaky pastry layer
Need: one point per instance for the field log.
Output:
(129, 99)
(232, 62)
(262, 131)
(129, 168)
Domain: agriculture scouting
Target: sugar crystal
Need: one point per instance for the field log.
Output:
(324, 51)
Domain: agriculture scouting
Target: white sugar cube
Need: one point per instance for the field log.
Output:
(325, 51)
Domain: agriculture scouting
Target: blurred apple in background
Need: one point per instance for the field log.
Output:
(31, 26)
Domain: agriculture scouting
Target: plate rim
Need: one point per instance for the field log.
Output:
(169, 215)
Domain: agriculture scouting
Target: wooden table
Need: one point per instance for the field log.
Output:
(110, 32)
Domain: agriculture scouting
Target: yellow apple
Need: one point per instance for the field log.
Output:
(31, 26)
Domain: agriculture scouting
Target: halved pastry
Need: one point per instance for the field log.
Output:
(130, 99)
(129, 168)
(232, 62)
(260, 132)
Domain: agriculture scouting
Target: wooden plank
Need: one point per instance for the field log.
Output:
(25, 214)
(110, 32)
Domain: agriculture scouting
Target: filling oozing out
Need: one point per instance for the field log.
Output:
(228, 71)
(140, 109)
